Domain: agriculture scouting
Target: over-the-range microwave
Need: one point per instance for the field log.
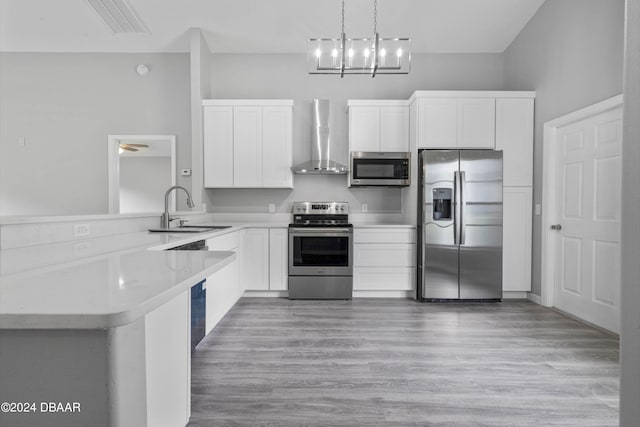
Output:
(380, 169)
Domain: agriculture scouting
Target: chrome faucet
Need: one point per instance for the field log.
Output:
(165, 219)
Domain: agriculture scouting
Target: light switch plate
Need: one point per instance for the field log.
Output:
(365, 207)
(272, 207)
(538, 209)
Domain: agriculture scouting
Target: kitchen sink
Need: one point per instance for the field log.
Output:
(190, 229)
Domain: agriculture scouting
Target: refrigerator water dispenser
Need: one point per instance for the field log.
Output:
(442, 204)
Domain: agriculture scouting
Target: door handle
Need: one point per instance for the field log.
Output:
(463, 195)
(456, 208)
(556, 227)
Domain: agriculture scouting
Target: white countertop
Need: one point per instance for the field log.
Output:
(108, 281)
(101, 283)
(106, 292)
(377, 225)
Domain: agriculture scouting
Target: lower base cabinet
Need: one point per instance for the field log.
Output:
(516, 240)
(278, 259)
(256, 273)
(225, 286)
(383, 278)
(266, 259)
(167, 343)
(137, 374)
(384, 259)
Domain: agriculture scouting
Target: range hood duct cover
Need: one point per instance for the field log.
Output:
(321, 162)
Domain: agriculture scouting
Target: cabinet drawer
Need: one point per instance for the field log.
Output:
(383, 278)
(226, 242)
(386, 255)
(384, 235)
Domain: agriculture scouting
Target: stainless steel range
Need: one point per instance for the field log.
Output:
(320, 251)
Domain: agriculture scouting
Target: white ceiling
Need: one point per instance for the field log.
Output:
(264, 26)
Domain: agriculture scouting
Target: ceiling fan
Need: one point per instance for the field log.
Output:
(133, 147)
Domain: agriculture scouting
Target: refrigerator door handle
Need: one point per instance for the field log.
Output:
(456, 210)
(463, 195)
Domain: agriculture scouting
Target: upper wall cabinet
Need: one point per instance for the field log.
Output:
(456, 123)
(247, 143)
(378, 125)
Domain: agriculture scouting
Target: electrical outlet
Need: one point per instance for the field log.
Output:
(81, 248)
(272, 207)
(81, 230)
(365, 207)
(22, 141)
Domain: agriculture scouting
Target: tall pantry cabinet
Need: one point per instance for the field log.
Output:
(489, 120)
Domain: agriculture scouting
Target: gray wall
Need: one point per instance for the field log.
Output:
(285, 76)
(65, 105)
(630, 329)
(571, 54)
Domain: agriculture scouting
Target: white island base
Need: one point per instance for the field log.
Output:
(137, 374)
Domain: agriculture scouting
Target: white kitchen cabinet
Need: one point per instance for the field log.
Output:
(247, 146)
(384, 235)
(225, 286)
(516, 242)
(276, 147)
(364, 128)
(437, 123)
(256, 269)
(514, 136)
(394, 128)
(166, 345)
(378, 125)
(278, 259)
(384, 278)
(218, 147)
(456, 123)
(384, 254)
(248, 143)
(384, 259)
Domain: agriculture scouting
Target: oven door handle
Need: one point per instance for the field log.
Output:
(321, 231)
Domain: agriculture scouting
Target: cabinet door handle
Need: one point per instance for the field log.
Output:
(556, 227)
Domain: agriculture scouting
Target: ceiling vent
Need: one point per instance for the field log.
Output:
(120, 16)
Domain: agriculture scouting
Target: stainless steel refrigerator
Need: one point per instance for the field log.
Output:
(459, 225)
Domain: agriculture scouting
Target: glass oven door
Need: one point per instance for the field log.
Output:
(320, 252)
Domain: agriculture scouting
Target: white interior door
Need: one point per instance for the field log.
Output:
(588, 202)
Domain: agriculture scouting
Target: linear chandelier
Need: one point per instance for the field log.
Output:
(371, 56)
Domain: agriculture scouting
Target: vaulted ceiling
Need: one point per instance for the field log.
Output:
(263, 26)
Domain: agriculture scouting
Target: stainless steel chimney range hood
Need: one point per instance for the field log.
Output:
(320, 163)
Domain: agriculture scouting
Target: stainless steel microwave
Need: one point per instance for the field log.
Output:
(380, 169)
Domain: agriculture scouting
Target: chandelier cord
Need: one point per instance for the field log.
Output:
(375, 16)
(342, 17)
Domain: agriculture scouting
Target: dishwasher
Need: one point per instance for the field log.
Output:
(198, 297)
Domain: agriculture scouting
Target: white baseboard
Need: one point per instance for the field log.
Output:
(356, 294)
(266, 294)
(534, 298)
(514, 295)
(384, 294)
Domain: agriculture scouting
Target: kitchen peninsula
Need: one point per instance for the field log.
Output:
(100, 327)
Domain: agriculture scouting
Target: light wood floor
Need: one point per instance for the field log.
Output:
(394, 362)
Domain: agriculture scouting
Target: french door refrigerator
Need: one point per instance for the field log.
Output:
(459, 225)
